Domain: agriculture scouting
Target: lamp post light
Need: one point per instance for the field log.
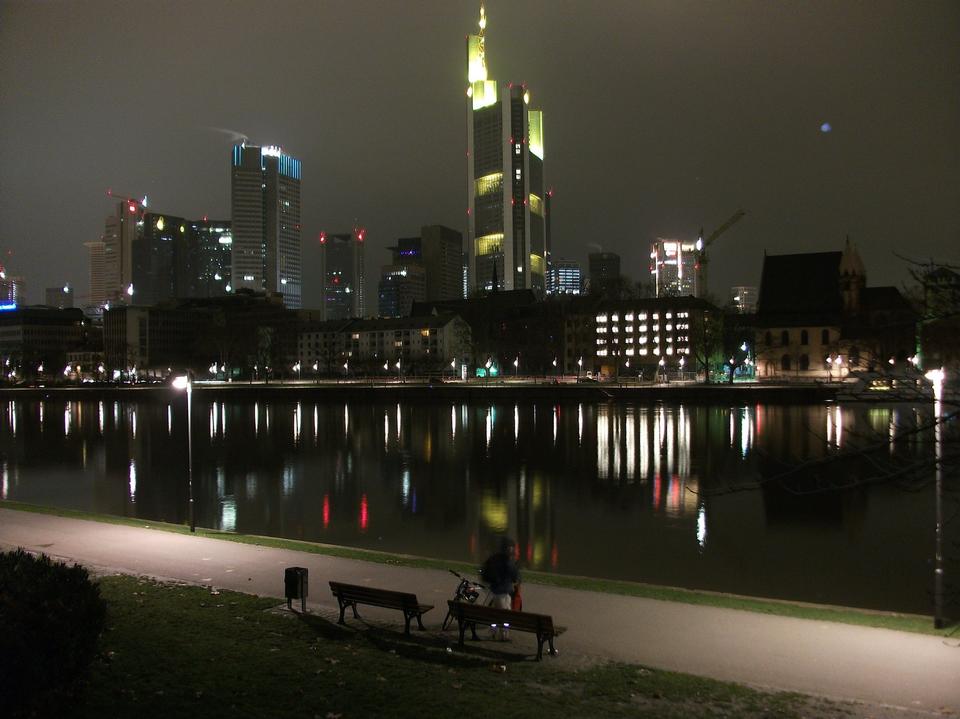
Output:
(399, 370)
(183, 383)
(453, 366)
(296, 368)
(936, 376)
(662, 364)
(346, 369)
(516, 367)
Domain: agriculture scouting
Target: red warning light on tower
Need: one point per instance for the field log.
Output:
(323, 238)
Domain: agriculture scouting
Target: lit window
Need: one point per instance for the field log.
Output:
(516, 150)
(669, 315)
(669, 350)
(656, 350)
(601, 318)
(629, 340)
(601, 353)
(643, 315)
(643, 351)
(614, 328)
(518, 173)
(656, 339)
(643, 339)
(614, 318)
(630, 352)
(628, 329)
(670, 328)
(628, 317)
(643, 328)
(601, 341)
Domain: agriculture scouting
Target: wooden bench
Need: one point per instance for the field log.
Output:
(469, 615)
(350, 595)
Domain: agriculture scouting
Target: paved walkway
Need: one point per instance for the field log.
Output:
(841, 661)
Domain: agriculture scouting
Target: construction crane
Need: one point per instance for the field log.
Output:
(703, 244)
(130, 199)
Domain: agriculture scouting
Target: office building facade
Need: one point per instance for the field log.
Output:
(342, 272)
(565, 277)
(120, 231)
(441, 251)
(506, 229)
(96, 260)
(265, 211)
(675, 267)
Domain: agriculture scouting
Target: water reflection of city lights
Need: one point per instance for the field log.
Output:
(100, 416)
(556, 413)
(132, 481)
(169, 420)
(41, 416)
(346, 419)
(405, 487)
(133, 423)
(702, 527)
(251, 485)
(256, 419)
(489, 425)
(223, 419)
(326, 511)
(603, 444)
(399, 422)
(579, 424)
(516, 423)
(316, 424)
(453, 422)
(297, 422)
(386, 430)
(116, 413)
(494, 512)
(67, 419)
(838, 419)
(4, 480)
(228, 514)
(288, 481)
(364, 514)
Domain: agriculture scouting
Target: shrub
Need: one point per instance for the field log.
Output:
(51, 616)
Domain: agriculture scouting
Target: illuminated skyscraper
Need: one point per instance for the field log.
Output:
(506, 242)
(343, 275)
(98, 294)
(265, 201)
(119, 233)
(675, 267)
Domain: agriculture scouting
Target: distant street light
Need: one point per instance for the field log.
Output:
(183, 382)
(399, 370)
(516, 367)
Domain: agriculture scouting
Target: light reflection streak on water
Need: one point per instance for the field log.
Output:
(523, 486)
(631, 465)
(268, 413)
(116, 413)
(702, 526)
(12, 414)
(256, 419)
(326, 511)
(399, 422)
(100, 414)
(169, 420)
(745, 428)
(644, 445)
(489, 425)
(67, 419)
(579, 424)
(316, 425)
(133, 422)
(829, 427)
(297, 420)
(228, 514)
(41, 416)
(289, 481)
(132, 480)
(603, 443)
(894, 418)
(405, 487)
(733, 430)
(657, 448)
(516, 423)
(453, 422)
(839, 426)
(683, 442)
(556, 411)
(223, 419)
(386, 430)
(346, 419)
(670, 452)
(4, 480)
(251, 486)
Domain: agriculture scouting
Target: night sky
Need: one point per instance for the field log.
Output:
(659, 117)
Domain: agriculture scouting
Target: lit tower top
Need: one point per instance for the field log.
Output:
(482, 90)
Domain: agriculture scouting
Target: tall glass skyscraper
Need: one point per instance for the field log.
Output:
(506, 242)
(265, 201)
(344, 275)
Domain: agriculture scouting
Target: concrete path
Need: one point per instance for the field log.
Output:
(877, 666)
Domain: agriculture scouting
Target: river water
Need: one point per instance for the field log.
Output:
(728, 498)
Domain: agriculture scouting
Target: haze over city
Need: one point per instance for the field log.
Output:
(821, 120)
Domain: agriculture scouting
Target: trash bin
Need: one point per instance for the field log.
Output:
(295, 586)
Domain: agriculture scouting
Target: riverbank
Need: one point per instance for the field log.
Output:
(744, 647)
(503, 390)
(800, 610)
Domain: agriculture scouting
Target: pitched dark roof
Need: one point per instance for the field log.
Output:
(803, 283)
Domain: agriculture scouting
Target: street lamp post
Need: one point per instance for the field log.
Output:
(516, 367)
(399, 370)
(183, 382)
(346, 369)
(579, 367)
(453, 366)
(936, 376)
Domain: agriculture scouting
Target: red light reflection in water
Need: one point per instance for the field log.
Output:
(516, 552)
(656, 491)
(364, 516)
(473, 543)
(326, 511)
(529, 553)
(759, 412)
(554, 556)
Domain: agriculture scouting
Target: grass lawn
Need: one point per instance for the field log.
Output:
(182, 651)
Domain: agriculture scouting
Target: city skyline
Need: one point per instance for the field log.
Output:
(820, 122)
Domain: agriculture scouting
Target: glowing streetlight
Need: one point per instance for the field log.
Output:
(296, 368)
(182, 382)
(516, 366)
